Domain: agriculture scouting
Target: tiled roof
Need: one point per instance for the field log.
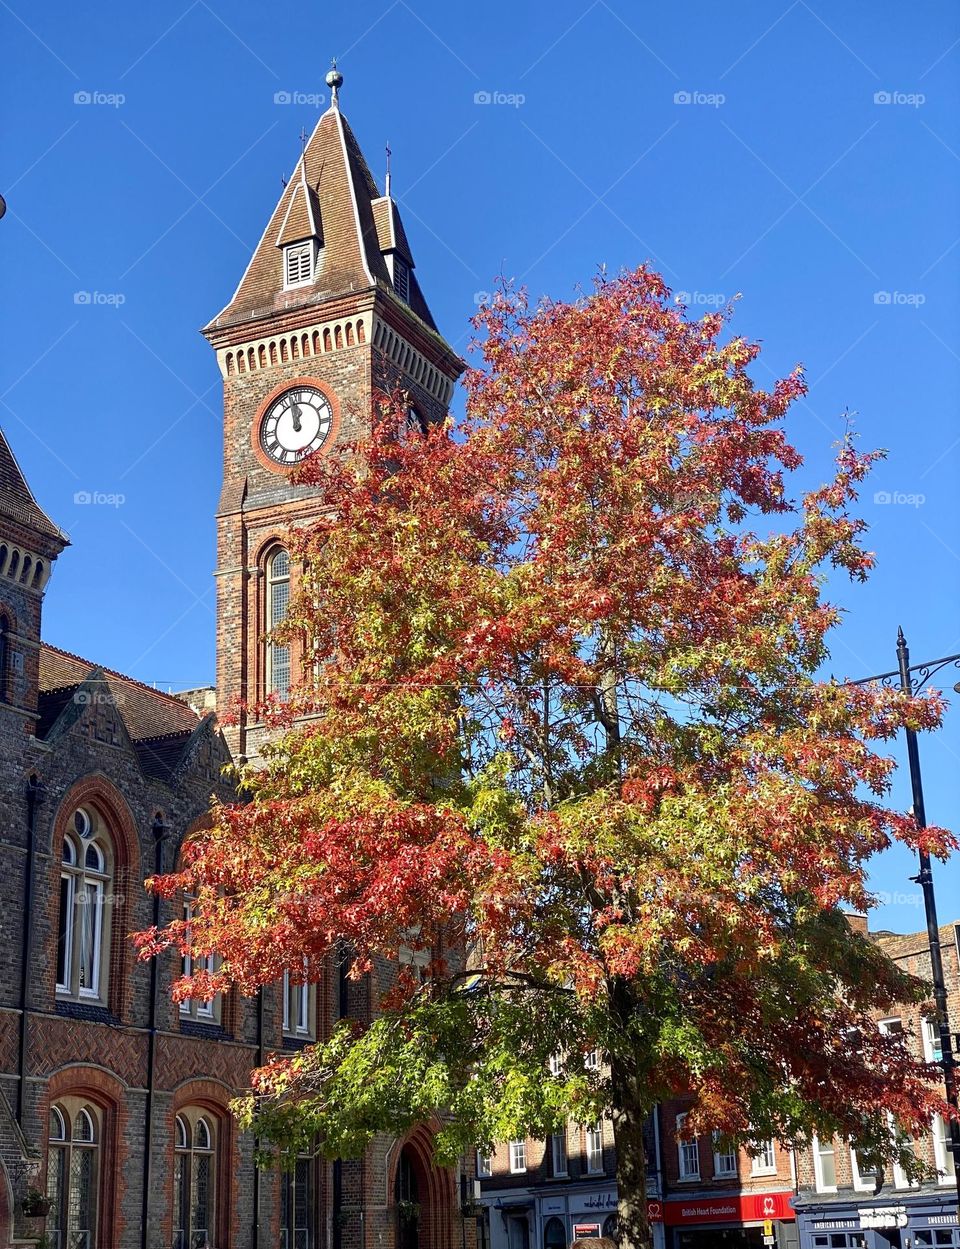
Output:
(390, 231)
(303, 217)
(159, 756)
(147, 713)
(340, 190)
(16, 498)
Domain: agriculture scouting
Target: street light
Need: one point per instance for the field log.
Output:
(912, 678)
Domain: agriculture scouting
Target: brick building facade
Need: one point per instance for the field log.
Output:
(703, 1195)
(842, 1206)
(544, 1194)
(115, 1131)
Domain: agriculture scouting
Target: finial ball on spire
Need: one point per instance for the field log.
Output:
(334, 78)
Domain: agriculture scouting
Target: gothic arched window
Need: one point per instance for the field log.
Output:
(194, 1179)
(85, 897)
(73, 1172)
(278, 604)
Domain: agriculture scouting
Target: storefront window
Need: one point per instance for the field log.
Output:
(825, 1165)
(865, 1177)
(932, 1045)
(688, 1152)
(765, 1162)
(554, 1234)
(594, 1149)
(558, 1153)
(724, 1159)
(946, 1166)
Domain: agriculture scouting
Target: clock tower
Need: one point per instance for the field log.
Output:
(328, 310)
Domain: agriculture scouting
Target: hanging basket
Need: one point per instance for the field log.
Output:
(408, 1211)
(35, 1205)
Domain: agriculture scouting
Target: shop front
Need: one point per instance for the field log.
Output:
(585, 1215)
(737, 1221)
(908, 1221)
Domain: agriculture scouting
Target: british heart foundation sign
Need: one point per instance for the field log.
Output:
(737, 1208)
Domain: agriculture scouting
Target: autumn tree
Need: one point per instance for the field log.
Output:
(565, 716)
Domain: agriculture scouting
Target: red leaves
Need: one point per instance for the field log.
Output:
(564, 706)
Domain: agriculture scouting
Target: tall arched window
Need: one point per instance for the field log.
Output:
(4, 656)
(73, 1172)
(194, 1179)
(84, 922)
(554, 1234)
(278, 604)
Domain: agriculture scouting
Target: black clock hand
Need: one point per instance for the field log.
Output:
(295, 413)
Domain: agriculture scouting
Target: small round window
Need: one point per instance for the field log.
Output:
(82, 823)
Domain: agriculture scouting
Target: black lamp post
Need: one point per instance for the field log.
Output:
(912, 678)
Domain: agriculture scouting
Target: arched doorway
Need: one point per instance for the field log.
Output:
(406, 1195)
(554, 1234)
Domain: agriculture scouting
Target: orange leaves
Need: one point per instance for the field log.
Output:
(564, 707)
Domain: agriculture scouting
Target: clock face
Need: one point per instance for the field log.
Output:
(296, 424)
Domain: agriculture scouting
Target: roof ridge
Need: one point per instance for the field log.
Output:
(40, 521)
(160, 737)
(172, 698)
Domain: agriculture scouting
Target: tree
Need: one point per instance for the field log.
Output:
(565, 714)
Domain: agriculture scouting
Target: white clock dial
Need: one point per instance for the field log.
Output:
(296, 424)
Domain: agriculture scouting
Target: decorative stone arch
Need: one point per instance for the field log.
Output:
(436, 1188)
(108, 1093)
(213, 1096)
(98, 792)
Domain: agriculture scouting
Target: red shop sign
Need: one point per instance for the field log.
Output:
(737, 1208)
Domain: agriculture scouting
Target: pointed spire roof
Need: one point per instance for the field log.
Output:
(16, 498)
(332, 197)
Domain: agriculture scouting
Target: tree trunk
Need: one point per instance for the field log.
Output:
(629, 1115)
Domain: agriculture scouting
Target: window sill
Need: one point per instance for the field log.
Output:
(93, 1012)
(200, 1028)
(297, 1042)
(688, 1179)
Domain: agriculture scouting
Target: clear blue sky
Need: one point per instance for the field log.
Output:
(806, 155)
